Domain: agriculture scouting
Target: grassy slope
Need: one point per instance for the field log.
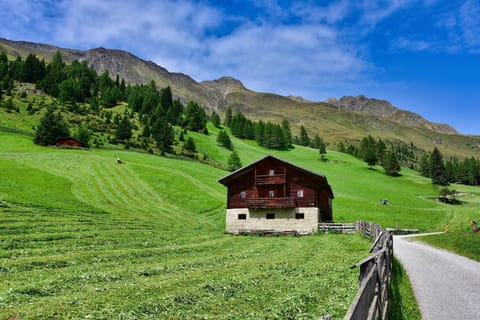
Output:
(335, 125)
(85, 237)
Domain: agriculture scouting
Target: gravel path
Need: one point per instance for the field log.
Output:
(447, 286)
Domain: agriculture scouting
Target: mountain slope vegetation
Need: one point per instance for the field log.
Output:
(334, 122)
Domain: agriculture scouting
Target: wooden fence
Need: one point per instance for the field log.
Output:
(372, 299)
(14, 130)
(330, 227)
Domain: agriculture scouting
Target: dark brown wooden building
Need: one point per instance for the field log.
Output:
(274, 195)
(68, 142)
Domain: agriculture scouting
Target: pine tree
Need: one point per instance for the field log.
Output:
(304, 140)
(166, 99)
(195, 117)
(438, 169)
(190, 145)
(391, 164)
(228, 117)
(368, 151)
(83, 135)
(124, 129)
(234, 162)
(287, 133)
(51, 127)
(370, 157)
(425, 166)
(162, 132)
(215, 118)
(224, 140)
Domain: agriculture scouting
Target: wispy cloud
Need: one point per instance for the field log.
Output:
(470, 24)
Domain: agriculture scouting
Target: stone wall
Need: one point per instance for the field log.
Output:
(284, 220)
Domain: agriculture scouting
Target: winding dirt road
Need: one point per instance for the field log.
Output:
(447, 286)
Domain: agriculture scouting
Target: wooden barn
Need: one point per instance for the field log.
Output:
(68, 142)
(272, 195)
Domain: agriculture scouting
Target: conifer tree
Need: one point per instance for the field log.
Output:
(215, 118)
(234, 162)
(224, 140)
(124, 129)
(51, 127)
(391, 164)
(438, 169)
(228, 117)
(162, 132)
(287, 133)
(190, 145)
(304, 140)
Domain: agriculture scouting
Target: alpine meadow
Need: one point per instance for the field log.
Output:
(132, 224)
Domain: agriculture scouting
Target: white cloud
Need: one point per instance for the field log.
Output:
(470, 23)
(374, 11)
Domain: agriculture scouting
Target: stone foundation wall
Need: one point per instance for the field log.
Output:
(285, 220)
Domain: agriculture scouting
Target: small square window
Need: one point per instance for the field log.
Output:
(299, 215)
(300, 193)
(271, 172)
(270, 216)
(271, 193)
(242, 216)
(243, 194)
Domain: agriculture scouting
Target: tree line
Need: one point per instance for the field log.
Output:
(452, 170)
(269, 134)
(375, 152)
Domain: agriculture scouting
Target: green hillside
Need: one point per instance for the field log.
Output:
(83, 236)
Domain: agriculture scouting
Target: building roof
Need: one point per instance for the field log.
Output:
(232, 176)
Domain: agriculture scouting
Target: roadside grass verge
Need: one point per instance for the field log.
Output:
(403, 304)
(462, 243)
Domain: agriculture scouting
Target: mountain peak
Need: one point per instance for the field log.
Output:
(228, 83)
(384, 109)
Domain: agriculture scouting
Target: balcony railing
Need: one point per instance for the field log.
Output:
(265, 203)
(270, 179)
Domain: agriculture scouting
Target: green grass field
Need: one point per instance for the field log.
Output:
(84, 237)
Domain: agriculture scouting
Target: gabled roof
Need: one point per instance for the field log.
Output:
(232, 176)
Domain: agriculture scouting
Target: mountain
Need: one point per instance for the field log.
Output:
(347, 119)
(384, 109)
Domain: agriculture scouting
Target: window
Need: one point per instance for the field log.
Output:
(243, 194)
(242, 216)
(270, 216)
(299, 215)
(271, 172)
(300, 193)
(271, 193)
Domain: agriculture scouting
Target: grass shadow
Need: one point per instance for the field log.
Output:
(403, 304)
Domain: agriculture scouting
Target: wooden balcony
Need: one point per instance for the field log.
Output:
(270, 179)
(265, 203)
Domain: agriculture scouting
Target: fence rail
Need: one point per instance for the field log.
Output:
(15, 130)
(372, 299)
(330, 227)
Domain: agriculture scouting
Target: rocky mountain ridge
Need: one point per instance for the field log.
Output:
(384, 109)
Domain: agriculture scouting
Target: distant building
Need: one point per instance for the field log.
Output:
(272, 195)
(68, 142)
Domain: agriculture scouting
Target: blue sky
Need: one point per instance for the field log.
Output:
(423, 56)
